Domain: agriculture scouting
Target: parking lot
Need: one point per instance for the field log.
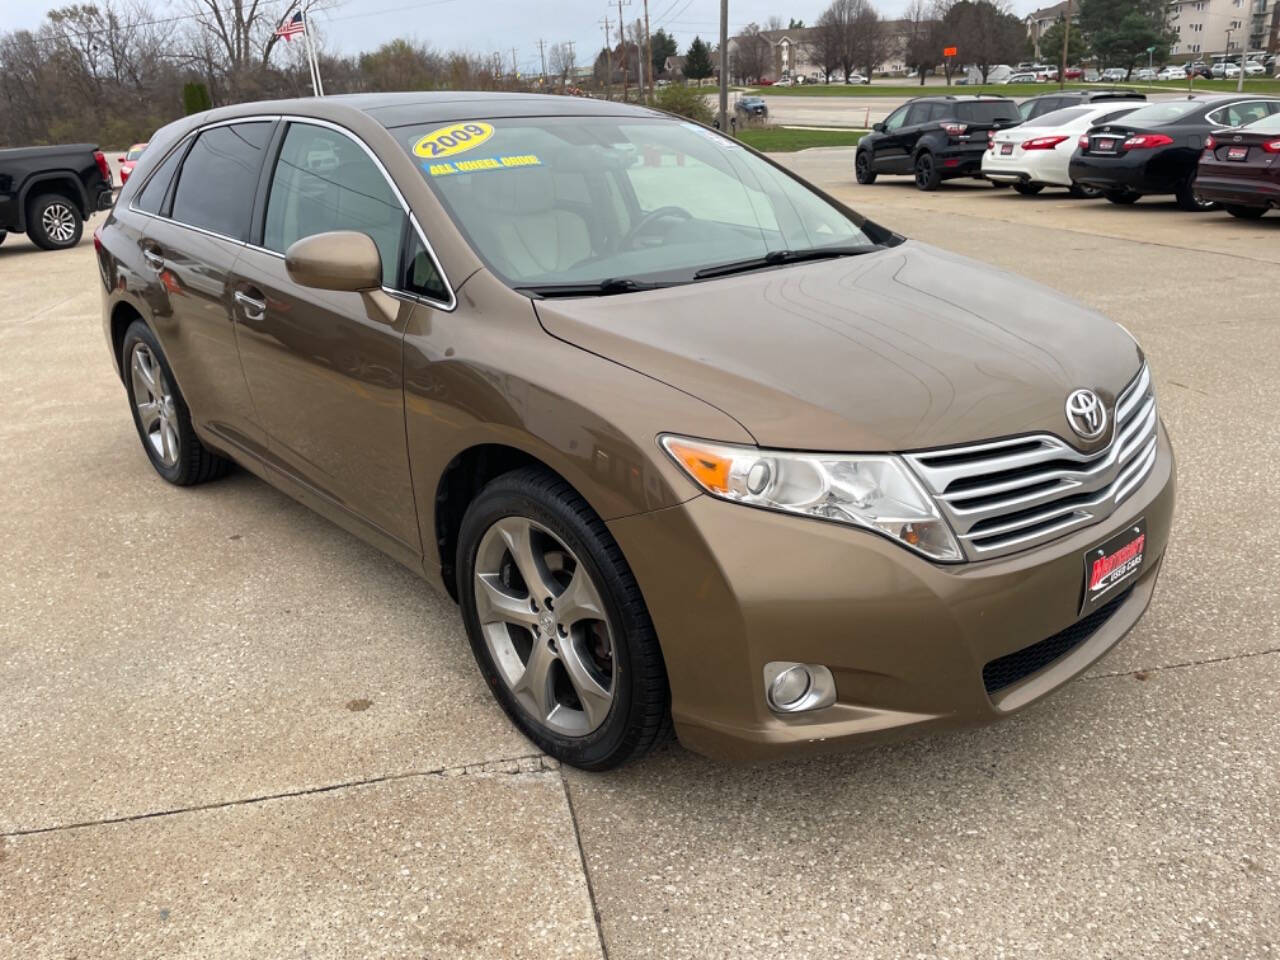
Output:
(229, 728)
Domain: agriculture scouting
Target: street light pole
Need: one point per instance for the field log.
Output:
(724, 66)
(1066, 39)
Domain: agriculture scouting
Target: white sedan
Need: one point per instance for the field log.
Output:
(1037, 154)
(1172, 73)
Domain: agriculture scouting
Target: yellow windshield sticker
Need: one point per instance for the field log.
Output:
(454, 139)
(487, 163)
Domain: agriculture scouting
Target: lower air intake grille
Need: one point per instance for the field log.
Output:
(1012, 667)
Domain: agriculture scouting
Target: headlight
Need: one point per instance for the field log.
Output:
(876, 492)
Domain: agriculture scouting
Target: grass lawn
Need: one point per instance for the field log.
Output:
(1262, 85)
(785, 140)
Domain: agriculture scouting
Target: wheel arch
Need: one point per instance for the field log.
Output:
(62, 182)
(123, 314)
(460, 482)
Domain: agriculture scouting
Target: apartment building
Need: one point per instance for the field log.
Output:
(1206, 27)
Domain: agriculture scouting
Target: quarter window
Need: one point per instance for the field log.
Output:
(420, 273)
(325, 181)
(151, 199)
(215, 187)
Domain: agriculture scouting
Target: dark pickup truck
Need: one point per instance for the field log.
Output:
(48, 192)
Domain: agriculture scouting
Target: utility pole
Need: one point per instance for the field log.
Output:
(608, 61)
(622, 36)
(542, 52)
(648, 49)
(572, 59)
(641, 65)
(724, 67)
(515, 68)
(1066, 39)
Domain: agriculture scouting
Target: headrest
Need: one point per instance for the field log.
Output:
(521, 190)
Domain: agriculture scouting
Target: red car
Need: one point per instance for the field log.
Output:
(1240, 168)
(1073, 73)
(129, 161)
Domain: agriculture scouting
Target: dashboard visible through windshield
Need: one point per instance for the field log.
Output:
(621, 203)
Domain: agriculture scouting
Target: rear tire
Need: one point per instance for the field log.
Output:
(1083, 192)
(926, 171)
(862, 171)
(1245, 213)
(1028, 189)
(531, 606)
(53, 222)
(160, 414)
(1122, 197)
(1189, 200)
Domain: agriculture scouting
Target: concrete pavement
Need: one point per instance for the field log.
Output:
(230, 729)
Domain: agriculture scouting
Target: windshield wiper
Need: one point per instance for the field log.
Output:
(775, 257)
(599, 288)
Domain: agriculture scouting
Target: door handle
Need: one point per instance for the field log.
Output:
(254, 309)
(154, 260)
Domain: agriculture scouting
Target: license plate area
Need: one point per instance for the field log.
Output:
(1006, 149)
(1237, 153)
(1105, 145)
(1113, 564)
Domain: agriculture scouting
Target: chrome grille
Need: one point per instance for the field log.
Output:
(1007, 495)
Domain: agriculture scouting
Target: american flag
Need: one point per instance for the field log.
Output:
(292, 26)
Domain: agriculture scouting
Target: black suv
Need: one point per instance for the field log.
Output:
(934, 138)
(1049, 102)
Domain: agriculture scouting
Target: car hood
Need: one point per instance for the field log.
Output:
(906, 348)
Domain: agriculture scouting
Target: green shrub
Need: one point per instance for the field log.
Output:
(195, 98)
(685, 102)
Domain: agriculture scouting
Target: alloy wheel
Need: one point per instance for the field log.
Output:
(59, 222)
(157, 414)
(545, 626)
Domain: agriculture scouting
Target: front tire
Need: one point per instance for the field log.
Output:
(557, 623)
(161, 415)
(1245, 213)
(926, 170)
(862, 168)
(1028, 189)
(54, 223)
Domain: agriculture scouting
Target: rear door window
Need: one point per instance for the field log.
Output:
(216, 184)
(1238, 114)
(918, 114)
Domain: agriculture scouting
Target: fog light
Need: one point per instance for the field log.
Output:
(796, 687)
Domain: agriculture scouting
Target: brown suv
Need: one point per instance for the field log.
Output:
(687, 439)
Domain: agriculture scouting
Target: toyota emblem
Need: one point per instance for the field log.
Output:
(1086, 414)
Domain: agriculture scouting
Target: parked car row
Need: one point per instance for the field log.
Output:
(1206, 150)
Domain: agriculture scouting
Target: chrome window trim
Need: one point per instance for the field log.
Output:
(446, 305)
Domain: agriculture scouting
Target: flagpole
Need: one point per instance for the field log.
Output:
(317, 86)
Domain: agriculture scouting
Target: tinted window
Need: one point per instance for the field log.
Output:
(325, 181)
(1113, 116)
(987, 112)
(420, 274)
(919, 113)
(215, 187)
(1057, 118)
(1157, 113)
(152, 195)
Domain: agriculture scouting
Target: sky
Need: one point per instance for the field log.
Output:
(483, 26)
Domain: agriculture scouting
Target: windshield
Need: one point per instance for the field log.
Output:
(585, 200)
(134, 153)
(1155, 114)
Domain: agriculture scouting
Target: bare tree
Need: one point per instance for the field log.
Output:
(869, 37)
(563, 61)
(922, 47)
(826, 43)
(775, 23)
(753, 54)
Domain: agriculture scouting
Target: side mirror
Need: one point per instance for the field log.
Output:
(120, 159)
(339, 260)
(879, 127)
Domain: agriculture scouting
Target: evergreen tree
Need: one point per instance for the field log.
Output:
(697, 62)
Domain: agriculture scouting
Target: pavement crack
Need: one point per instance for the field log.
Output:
(586, 871)
(1183, 664)
(524, 763)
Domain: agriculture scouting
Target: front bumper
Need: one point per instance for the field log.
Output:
(731, 588)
